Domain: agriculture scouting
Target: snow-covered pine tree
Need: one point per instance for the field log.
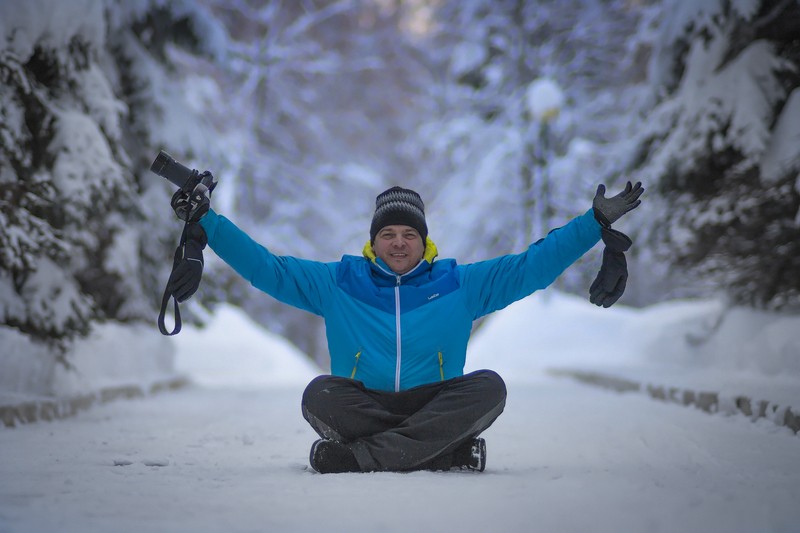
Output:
(488, 137)
(724, 144)
(86, 98)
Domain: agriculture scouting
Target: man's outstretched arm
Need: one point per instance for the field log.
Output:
(297, 282)
(492, 285)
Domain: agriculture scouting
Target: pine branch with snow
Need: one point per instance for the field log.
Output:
(78, 245)
(719, 144)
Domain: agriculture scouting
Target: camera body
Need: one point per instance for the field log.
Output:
(192, 199)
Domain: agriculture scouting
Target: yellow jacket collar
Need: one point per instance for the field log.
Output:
(430, 251)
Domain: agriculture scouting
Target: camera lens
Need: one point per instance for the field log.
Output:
(166, 167)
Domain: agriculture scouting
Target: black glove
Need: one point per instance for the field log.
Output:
(610, 282)
(609, 210)
(187, 267)
(191, 205)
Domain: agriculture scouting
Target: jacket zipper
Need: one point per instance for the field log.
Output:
(355, 366)
(399, 364)
(441, 365)
(399, 342)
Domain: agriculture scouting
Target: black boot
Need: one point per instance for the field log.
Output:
(471, 455)
(331, 457)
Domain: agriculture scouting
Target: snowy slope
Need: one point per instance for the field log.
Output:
(691, 344)
(233, 350)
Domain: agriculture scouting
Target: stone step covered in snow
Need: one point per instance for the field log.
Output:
(14, 412)
(705, 400)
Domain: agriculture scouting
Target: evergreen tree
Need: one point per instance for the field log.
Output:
(534, 168)
(723, 143)
(87, 96)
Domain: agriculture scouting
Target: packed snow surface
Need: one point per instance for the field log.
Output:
(231, 453)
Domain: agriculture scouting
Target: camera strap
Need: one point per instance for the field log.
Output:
(179, 251)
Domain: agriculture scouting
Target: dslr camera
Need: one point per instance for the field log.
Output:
(194, 188)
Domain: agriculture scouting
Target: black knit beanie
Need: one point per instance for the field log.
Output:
(398, 206)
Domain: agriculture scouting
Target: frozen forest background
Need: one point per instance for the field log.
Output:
(503, 114)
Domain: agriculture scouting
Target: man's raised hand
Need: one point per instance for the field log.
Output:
(609, 210)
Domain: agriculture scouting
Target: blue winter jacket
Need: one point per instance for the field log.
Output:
(396, 332)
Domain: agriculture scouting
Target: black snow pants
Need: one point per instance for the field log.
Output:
(406, 430)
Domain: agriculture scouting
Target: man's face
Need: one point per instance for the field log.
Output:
(400, 247)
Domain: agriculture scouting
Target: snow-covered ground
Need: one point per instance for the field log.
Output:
(230, 454)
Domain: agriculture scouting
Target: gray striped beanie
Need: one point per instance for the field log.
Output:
(398, 206)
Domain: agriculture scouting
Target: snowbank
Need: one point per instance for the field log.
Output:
(681, 345)
(114, 361)
(132, 361)
(556, 329)
(112, 355)
(232, 350)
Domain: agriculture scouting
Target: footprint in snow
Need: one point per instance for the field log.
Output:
(156, 462)
(147, 462)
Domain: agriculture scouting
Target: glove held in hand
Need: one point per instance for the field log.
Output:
(187, 268)
(610, 282)
(187, 271)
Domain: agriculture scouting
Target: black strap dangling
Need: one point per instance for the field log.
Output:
(179, 251)
(164, 303)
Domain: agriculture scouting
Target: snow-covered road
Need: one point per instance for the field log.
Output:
(563, 457)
